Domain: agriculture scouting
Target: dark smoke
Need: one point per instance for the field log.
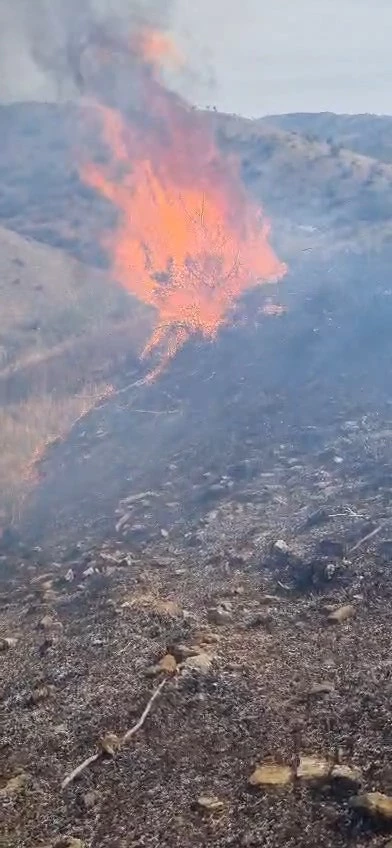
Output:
(43, 44)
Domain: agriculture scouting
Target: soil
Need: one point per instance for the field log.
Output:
(243, 569)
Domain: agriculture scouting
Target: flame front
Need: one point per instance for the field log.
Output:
(189, 241)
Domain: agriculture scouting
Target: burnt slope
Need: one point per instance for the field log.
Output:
(262, 383)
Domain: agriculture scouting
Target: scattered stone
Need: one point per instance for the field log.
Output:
(210, 804)
(48, 622)
(90, 799)
(69, 576)
(347, 777)
(14, 785)
(341, 614)
(110, 744)
(313, 769)
(167, 665)
(330, 570)
(183, 652)
(201, 662)
(219, 615)
(46, 586)
(374, 804)
(7, 642)
(280, 549)
(324, 688)
(40, 694)
(89, 571)
(271, 775)
(270, 599)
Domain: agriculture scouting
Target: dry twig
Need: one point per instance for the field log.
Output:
(365, 539)
(127, 736)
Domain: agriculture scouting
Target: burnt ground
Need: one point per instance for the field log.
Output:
(277, 682)
(152, 531)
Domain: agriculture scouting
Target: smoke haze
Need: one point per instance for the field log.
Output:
(40, 42)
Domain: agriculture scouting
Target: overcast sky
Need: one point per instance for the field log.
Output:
(291, 55)
(254, 56)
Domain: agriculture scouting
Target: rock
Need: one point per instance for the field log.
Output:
(341, 614)
(183, 652)
(110, 744)
(68, 842)
(280, 549)
(270, 599)
(218, 615)
(88, 572)
(7, 642)
(164, 533)
(168, 664)
(14, 785)
(48, 622)
(210, 804)
(330, 570)
(90, 799)
(46, 586)
(69, 576)
(40, 694)
(324, 688)
(271, 775)
(347, 777)
(313, 769)
(201, 662)
(331, 548)
(374, 804)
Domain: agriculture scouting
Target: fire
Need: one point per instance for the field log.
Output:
(189, 241)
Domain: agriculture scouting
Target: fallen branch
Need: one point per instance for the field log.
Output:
(78, 770)
(127, 736)
(365, 539)
(157, 411)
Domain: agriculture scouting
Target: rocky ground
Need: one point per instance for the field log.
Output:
(269, 657)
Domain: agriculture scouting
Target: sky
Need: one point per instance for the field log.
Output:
(273, 56)
(258, 57)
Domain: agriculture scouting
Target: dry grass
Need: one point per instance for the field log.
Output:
(65, 331)
(26, 431)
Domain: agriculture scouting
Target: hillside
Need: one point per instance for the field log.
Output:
(195, 572)
(369, 135)
(301, 182)
(67, 331)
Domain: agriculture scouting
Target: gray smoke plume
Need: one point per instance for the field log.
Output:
(42, 41)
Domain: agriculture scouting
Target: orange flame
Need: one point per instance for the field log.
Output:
(189, 241)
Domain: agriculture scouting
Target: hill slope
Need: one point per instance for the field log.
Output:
(65, 330)
(369, 135)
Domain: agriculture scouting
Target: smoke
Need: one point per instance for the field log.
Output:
(42, 43)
